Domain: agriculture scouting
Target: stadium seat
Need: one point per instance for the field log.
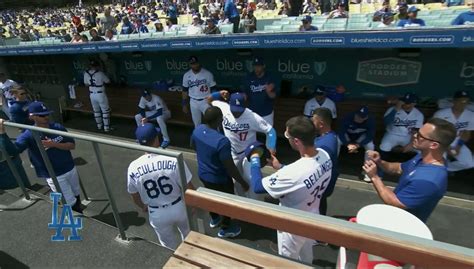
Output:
(146, 35)
(134, 36)
(181, 33)
(358, 19)
(281, 22)
(336, 22)
(430, 17)
(424, 13)
(333, 27)
(170, 34)
(122, 37)
(272, 28)
(157, 34)
(432, 6)
(290, 28)
(28, 43)
(440, 23)
(358, 26)
(226, 28)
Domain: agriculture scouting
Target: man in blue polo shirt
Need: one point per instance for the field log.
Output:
(326, 139)
(216, 167)
(260, 90)
(424, 178)
(58, 149)
(465, 18)
(412, 19)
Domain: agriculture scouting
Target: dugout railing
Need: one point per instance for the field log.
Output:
(391, 245)
(95, 141)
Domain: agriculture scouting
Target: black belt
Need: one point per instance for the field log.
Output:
(238, 153)
(166, 205)
(198, 99)
(96, 92)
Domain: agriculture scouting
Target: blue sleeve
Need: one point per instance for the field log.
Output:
(387, 120)
(15, 111)
(401, 23)
(370, 131)
(256, 176)
(142, 112)
(8, 145)
(224, 150)
(346, 122)
(422, 22)
(22, 141)
(271, 139)
(216, 96)
(158, 113)
(458, 20)
(417, 193)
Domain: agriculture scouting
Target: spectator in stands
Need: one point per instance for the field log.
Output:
(379, 13)
(231, 13)
(76, 38)
(76, 21)
(319, 100)
(213, 6)
(459, 156)
(211, 28)
(402, 12)
(309, 7)
(90, 18)
(107, 22)
(127, 27)
(172, 12)
(24, 36)
(140, 27)
(306, 24)
(387, 20)
(451, 3)
(170, 27)
(285, 9)
(205, 12)
(49, 34)
(109, 36)
(465, 17)
(412, 21)
(339, 13)
(358, 130)
(65, 37)
(250, 22)
(195, 28)
(159, 27)
(84, 38)
(36, 35)
(423, 179)
(95, 36)
(222, 19)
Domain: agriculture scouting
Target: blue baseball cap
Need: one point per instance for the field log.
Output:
(38, 108)
(258, 61)
(320, 90)
(409, 98)
(413, 9)
(307, 18)
(257, 145)
(146, 92)
(461, 94)
(363, 112)
(193, 60)
(145, 133)
(237, 102)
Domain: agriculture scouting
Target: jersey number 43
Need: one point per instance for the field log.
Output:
(155, 188)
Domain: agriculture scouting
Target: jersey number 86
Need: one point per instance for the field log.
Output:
(154, 188)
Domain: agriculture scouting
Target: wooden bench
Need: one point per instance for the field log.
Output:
(124, 104)
(202, 251)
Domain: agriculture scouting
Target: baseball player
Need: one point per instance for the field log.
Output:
(58, 149)
(459, 155)
(6, 98)
(152, 107)
(319, 100)
(357, 130)
(198, 83)
(401, 121)
(298, 185)
(155, 187)
(260, 90)
(241, 125)
(95, 80)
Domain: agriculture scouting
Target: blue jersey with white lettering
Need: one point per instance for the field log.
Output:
(61, 160)
(329, 143)
(258, 99)
(351, 131)
(421, 186)
(212, 149)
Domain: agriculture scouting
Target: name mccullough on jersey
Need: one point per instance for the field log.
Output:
(153, 167)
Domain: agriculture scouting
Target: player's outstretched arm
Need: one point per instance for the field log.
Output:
(219, 96)
(256, 174)
(234, 173)
(271, 139)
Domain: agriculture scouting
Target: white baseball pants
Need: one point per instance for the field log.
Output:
(197, 109)
(69, 184)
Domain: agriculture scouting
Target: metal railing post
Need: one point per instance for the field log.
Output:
(86, 197)
(47, 163)
(184, 184)
(115, 212)
(15, 173)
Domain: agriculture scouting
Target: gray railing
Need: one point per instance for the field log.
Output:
(95, 141)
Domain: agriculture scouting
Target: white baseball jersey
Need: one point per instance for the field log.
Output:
(301, 184)
(6, 87)
(404, 122)
(199, 85)
(153, 105)
(241, 131)
(465, 122)
(312, 105)
(95, 80)
(156, 178)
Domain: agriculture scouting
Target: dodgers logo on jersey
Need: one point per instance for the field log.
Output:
(196, 82)
(74, 224)
(257, 88)
(404, 123)
(235, 127)
(460, 125)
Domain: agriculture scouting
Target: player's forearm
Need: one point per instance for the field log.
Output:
(385, 193)
(256, 175)
(271, 139)
(65, 146)
(137, 201)
(233, 172)
(390, 168)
